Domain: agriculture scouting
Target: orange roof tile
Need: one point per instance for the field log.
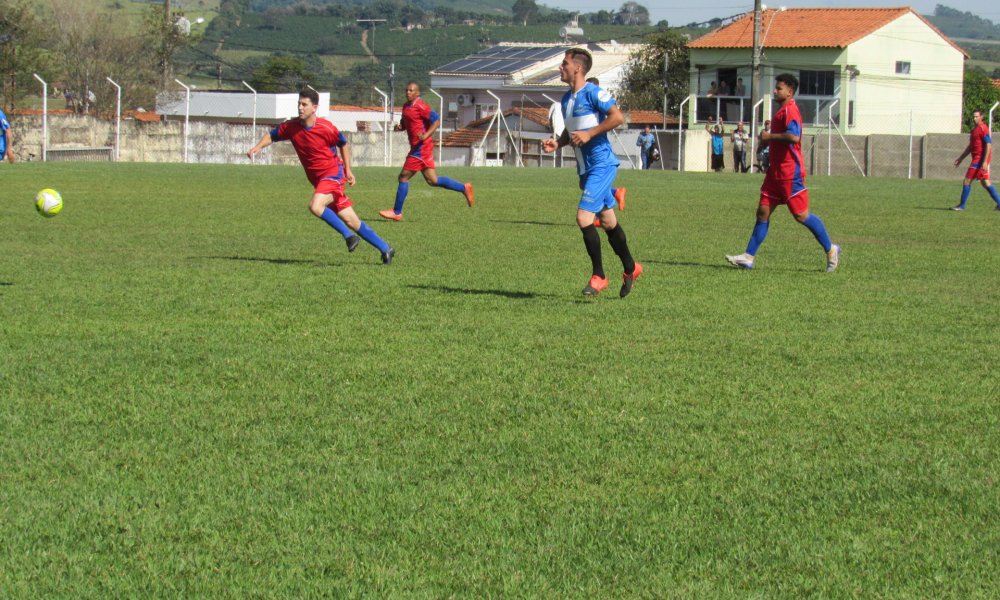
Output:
(650, 117)
(465, 137)
(808, 28)
(39, 112)
(143, 116)
(995, 82)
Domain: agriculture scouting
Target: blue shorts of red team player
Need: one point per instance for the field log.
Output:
(420, 158)
(792, 192)
(334, 187)
(596, 185)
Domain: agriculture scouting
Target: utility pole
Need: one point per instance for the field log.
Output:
(220, 75)
(666, 84)
(166, 21)
(755, 62)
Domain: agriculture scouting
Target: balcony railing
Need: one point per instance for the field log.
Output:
(732, 109)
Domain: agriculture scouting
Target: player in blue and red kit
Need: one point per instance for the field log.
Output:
(325, 156)
(420, 123)
(785, 182)
(590, 113)
(981, 148)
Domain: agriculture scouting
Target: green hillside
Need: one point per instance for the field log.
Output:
(956, 24)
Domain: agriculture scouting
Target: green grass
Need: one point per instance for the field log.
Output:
(204, 395)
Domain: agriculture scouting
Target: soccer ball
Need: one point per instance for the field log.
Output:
(48, 203)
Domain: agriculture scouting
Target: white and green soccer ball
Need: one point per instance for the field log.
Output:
(48, 203)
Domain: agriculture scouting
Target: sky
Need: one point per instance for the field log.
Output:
(680, 12)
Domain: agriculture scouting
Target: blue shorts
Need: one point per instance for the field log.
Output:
(596, 185)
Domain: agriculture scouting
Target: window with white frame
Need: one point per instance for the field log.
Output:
(485, 110)
(817, 83)
(902, 67)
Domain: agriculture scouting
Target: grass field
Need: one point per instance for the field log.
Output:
(204, 395)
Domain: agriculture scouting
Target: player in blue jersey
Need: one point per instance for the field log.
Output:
(590, 113)
(5, 148)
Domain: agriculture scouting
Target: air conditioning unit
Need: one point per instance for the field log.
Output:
(465, 99)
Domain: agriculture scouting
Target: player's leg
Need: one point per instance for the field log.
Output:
(430, 175)
(767, 203)
(966, 190)
(401, 192)
(319, 206)
(798, 205)
(992, 191)
(367, 233)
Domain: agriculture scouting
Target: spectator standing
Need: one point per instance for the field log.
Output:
(718, 140)
(645, 141)
(723, 88)
(740, 90)
(740, 139)
(763, 153)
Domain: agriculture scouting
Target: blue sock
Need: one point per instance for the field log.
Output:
(965, 194)
(368, 235)
(450, 184)
(334, 221)
(401, 192)
(993, 194)
(816, 227)
(757, 238)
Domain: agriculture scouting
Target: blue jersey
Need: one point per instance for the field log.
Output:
(4, 126)
(585, 110)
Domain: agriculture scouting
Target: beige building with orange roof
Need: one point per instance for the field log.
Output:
(870, 69)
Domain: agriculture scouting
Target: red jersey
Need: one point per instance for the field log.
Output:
(417, 119)
(316, 147)
(978, 138)
(786, 159)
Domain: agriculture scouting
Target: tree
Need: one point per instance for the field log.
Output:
(524, 10)
(643, 84)
(978, 93)
(275, 18)
(281, 74)
(21, 52)
(601, 17)
(632, 13)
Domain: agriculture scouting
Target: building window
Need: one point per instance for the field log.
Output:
(902, 68)
(485, 110)
(816, 83)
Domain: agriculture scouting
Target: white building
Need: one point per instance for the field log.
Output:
(235, 107)
(514, 75)
(877, 66)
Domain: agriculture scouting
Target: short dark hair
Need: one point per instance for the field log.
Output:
(409, 83)
(789, 80)
(582, 58)
(978, 111)
(594, 81)
(313, 95)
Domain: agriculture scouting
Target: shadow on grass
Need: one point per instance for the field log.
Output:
(5, 284)
(273, 261)
(724, 266)
(948, 208)
(534, 223)
(502, 293)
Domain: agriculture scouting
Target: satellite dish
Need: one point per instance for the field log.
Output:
(199, 20)
(183, 26)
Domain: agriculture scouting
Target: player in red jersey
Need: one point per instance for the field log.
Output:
(785, 182)
(981, 148)
(317, 142)
(420, 123)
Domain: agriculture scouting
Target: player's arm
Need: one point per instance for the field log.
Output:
(345, 157)
(263, 143)
(553, 144)
(614, 119)
(435, 122)
(968, 151)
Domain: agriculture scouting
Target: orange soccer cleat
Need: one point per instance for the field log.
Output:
(620, 198)
(469, 195)
(390, 214)
(595, 286)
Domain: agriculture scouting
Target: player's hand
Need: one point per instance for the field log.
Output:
(765, 135)
(349, 177)
(397, 127)
(550, 145)
(422, 137)
(957, 162)
(252, 152)
(10, 157)
(579, 138)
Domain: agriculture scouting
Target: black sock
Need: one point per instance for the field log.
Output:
(616, 237)
(593, 243)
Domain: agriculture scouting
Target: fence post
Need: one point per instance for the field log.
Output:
(440, 117)
(992, 108)
(754, 134)
(118, 122)
(385, 126)
(253, 126)
(45, 115)
(187, 114)
(557, 155)
(909, 167)
(680, 137)
(829, 139)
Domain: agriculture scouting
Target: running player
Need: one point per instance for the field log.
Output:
(5, 148)
(420, 123)
(981, 148)
(590, 113)
(317, 142)
(785, 182)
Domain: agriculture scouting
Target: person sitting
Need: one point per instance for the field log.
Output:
(723, 88)
(713, 90)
